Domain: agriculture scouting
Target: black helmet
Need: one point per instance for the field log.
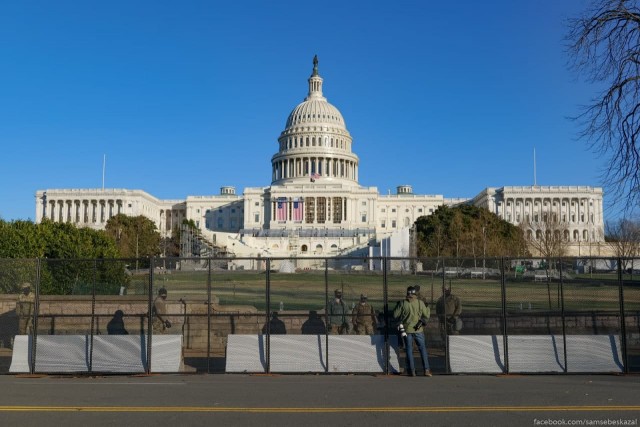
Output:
(411, 291)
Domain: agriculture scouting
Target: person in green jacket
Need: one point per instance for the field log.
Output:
(413, 314)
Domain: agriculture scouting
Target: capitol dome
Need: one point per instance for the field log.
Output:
(315, 143)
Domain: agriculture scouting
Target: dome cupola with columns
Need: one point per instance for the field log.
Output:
(315, 145)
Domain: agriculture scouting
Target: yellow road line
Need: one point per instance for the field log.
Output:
(315, 410)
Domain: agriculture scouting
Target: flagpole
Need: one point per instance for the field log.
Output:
(104, 165)
(534, 167)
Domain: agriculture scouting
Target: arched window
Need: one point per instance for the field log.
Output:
(319, 249)
(585, 235)
(304, 248)
(566, 235)
(576, 235)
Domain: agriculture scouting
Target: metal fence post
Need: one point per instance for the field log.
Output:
(209, 318)
(385, 298)
(564, 320)
(623, 326)
(267, 314)
(326, 318)
(149, 316)
(36, 310)
(443, 326)
(503, 303)
(93, 313)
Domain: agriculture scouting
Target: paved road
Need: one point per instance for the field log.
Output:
(318, 400)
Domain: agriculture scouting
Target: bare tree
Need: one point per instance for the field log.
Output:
(605, 45)
(546, 236)
(623, 236)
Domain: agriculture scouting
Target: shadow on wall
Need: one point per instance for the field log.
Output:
(8, 328)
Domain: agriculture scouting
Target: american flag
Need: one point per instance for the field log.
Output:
(315, 176)
(297, 210)
(281, 211)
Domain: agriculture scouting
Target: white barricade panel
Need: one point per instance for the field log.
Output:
(476, 354)
(20, 357)
(306, 353)
(245, 353)
(594, 353)
(296, 353)
(118, 353)
(536, 353)
(361, 353)
(61, 354)
(166, 353)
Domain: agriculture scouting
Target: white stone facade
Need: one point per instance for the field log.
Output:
(315, 205)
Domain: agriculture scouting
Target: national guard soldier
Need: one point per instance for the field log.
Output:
(25, 308)
(448, 309)
(160, 321)
(364, 317)
(338, 312)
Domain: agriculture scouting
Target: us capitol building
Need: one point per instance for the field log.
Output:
(315, 205)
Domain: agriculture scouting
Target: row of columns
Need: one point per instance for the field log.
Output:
(82, 211)
(576, 210)
(310, 207)
(294, 167)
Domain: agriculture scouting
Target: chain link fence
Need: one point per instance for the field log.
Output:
(316, 315)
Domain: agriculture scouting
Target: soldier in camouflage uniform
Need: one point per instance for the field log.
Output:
(364, 317)
(160, 322)
(448, 309)
(338, 312)
(24, 309)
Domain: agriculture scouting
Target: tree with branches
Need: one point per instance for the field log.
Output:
(604, 45)
(623, 236)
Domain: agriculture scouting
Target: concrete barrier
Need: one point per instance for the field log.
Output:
(109, 354)
(535, 353)
(307, 353)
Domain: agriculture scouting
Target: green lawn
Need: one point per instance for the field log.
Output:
(306, 290)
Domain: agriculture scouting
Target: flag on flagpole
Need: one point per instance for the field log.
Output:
(315, 176)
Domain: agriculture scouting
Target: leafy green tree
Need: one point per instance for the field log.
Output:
(68, 258)
(135, 237)
(468, 231)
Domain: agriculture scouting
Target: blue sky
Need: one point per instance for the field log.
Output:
(185, 97)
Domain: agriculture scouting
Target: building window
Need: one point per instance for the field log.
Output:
(364, 217)
(256, 218)
(420, 210)
(220, 223)
(257, 204)
(383, 224)
(233, 211)
(393, 224)
(393, 210)
(322, 210)
(383, 210)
